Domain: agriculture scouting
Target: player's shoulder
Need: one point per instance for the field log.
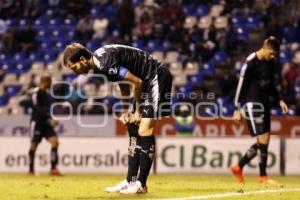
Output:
(251, 57)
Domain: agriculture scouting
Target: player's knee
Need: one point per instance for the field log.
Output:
(55, 144)
(145, 131)
(33, 147)
(264, 139)
(32, 150)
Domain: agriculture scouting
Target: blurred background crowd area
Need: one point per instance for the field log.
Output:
(203, 42)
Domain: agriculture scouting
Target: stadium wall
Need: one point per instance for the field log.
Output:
(174, 155)
(108, 126)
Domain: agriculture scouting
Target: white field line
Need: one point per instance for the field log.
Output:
(231, 194)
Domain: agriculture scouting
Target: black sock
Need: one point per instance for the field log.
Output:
(31, 160)
(249, 155)
(263, 158)
(54, 157)
(146, 157)
(133, 152)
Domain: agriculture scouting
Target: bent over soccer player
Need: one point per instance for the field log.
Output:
(42, 125)
(256, 86)
(151, 79)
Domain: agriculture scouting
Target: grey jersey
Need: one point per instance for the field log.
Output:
(116, 60)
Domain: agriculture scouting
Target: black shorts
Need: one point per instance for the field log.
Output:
(40, 131)
(156, 95)
(258, 119)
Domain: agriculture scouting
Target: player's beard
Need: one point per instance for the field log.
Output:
(84, 68)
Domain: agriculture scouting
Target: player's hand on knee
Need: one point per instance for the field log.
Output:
(135, 118)
(237, 116)
(53, 122)
(124, 117)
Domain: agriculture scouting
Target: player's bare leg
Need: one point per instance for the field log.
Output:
(54, 156)
(146, 156)
(32, 150)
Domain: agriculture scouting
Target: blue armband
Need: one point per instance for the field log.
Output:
(122, 72)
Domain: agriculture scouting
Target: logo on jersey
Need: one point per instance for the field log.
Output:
(113, 71)
(146, 111)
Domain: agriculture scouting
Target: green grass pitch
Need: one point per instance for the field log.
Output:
(91, 187)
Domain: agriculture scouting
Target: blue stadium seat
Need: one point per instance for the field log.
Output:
(110, 100)
(9, 66)
(95, 11)
(198, 78)
(54, 23)
(138, 44)
(43, 34)
(202, 10)
(154, 45)
(220, 57)
(276, 111)
(166, 46)
(277, 2)
(189, 10)
(226, 110)
(93, 44)
(40, 24)
(186, 89)
(238, 21)
(5, 57)
(110, 12)
(69, 77)
(23, 67)
(253, 22)
(50, 55)
(289, 34)
(297, 86)
(3, 100)
(210, 66)
(13, 90)
(11, 22)
(19, 57)
(242, 33)
(47, 44)
(36, 56)
(137, 2)
(70, 23)
(286, 56)
(60, 45)
(23, 22)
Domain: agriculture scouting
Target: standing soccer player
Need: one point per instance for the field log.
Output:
(42, 125)
(256, 86)
(152, 87)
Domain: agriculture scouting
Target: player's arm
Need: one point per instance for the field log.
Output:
(241, 90)
(41, 109)
(125, 92)
(137, 82)
(277, 96)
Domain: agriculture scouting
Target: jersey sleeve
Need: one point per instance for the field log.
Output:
(274, 91)
(41, 106)
(244, 80)
(109, 66)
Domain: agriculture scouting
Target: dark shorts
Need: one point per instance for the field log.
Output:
(258, 119)
(40, 131)
(156, 97)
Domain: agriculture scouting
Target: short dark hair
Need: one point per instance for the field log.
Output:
(45, 78)
(74, 51)
(273, 43)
